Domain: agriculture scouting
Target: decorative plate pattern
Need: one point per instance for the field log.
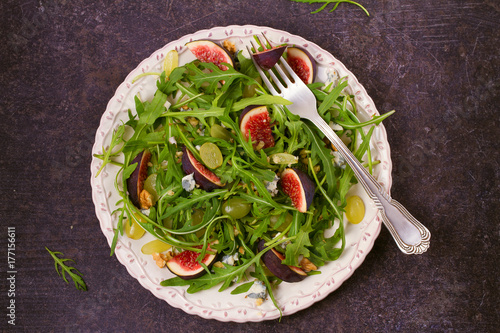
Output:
(212, 304)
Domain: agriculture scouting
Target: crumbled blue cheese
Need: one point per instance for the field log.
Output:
(338, 159)
(188, 182)
(272, 187)
(258, 290)
(172, 140)
(145, 211)
(284, 244)
(332, 77)
(230, 259)
(198, 147)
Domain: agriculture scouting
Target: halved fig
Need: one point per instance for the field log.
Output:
(185, 266)
(135, 183)
(302, 63)
(209, 51)
(268, 58)
(272, 259)
(255, 121)
(299, 187)
(205, 178)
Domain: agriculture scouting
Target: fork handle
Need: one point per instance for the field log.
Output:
(411, 236)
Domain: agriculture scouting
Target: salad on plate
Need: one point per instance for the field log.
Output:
(236, 191)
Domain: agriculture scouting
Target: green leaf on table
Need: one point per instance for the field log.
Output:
(62, 269)
(335, 3)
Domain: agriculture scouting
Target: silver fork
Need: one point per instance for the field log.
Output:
(410, 235)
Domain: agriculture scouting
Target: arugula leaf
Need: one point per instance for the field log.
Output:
(242, 288)
(62, 269)
(154, 109)
(345, 180)
(224, 275)
(319, 150)
(331, 98)
(299, 245)
(215, 76)
(327, 2)
(116, 139)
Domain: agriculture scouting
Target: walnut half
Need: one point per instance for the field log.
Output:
(307, 265)
(145, 199)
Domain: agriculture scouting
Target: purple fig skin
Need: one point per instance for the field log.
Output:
(201, 174)
(135, 183)
(265, 134)
(272, 259)
(209, 51)
(268, 58)
(298, 56)
(246, 110)
(306, 190)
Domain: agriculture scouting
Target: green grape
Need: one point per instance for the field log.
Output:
(219, 132)
(236, 208)
(134, 230)
(274, 219)
(150, 186)
(157, 246)
(211, 155)
(355, 209)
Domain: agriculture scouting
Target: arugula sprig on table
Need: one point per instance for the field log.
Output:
(62, 269)
(335, 3)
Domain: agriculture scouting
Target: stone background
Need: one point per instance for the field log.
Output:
(435, 62)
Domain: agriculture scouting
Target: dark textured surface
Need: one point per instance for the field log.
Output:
(435, 62)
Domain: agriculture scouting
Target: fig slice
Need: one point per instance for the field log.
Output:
(185, 266)
(255, 122)
(267, 58)
(135, 183)
(272, 259)
(205, 178)
(299, 187)
(302, 63)
(209, 51)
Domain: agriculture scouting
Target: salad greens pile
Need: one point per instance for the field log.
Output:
(189, 108)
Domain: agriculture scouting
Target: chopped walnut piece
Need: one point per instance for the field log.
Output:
(219, 264)
(303, 156)
(193, 121)
(145, 199)
(167, 256)
(259, 301)
(160, 262)
(228, 45)
(162, 258)
(241, 250)
(178, 156)
(260, 145)
(307, 265)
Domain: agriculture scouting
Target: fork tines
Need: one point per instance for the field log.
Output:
(284, 80)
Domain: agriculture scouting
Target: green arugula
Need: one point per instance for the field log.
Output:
(204, 97)
(328, 2)
(62, 269)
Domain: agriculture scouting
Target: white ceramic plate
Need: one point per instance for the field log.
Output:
(223, 306)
